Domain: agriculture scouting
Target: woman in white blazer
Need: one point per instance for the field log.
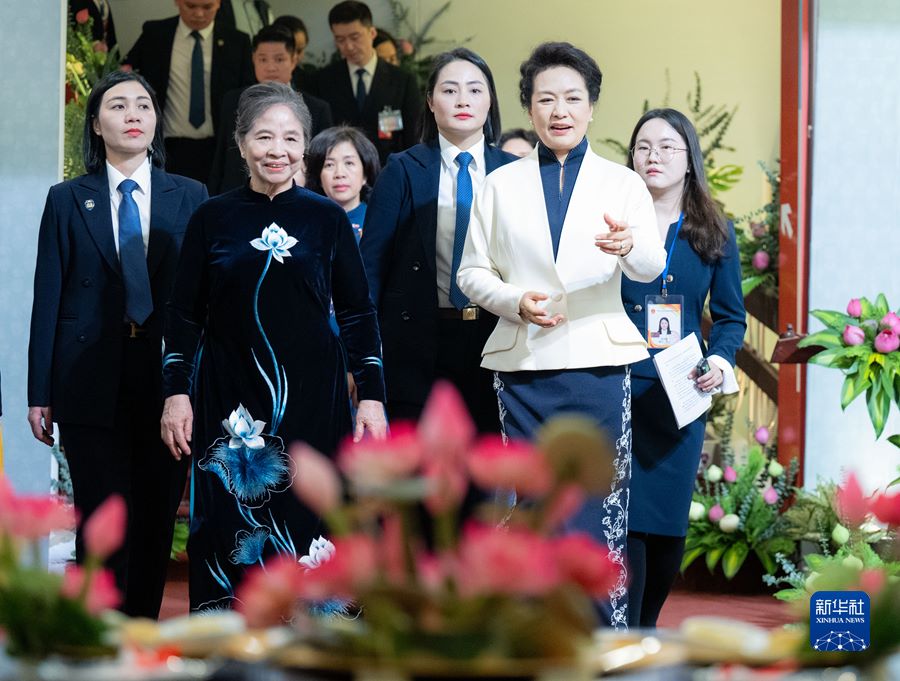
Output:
(549, 238)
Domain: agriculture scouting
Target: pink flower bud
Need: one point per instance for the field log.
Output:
(760, 260)
(762, 435)
(887, 341)
(730, 474)
(716, 513)
(770, 496)
(891, 321)
(758, 229)
(853, 335)
(82, 17)
(854, 307)
(104, 531)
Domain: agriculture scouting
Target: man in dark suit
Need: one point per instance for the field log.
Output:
(364, 91)
(192, 61)
(104, 273)
(274, 58)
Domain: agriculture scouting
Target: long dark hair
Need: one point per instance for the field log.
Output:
(704, 225)
(492, 127)
(93, 148)
(327, 140)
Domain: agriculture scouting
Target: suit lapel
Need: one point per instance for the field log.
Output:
(165, 200)
(424, 185)
(92, 198)
(493, 158)
(379, 91)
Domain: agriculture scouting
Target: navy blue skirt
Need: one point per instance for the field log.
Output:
(528, 398)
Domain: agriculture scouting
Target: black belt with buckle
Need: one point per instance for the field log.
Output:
(468, 314)
(132, 330)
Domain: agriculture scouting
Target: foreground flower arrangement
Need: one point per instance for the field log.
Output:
(414, 570)
(863, 344)
(43, 613)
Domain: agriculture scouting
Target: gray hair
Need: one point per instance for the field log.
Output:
(257, 99)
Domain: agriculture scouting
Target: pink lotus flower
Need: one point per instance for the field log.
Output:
(447, 486)
(891, 321)
(31, 517)
(585, 562)
(99, 594)
(730, 474)
(446, 430)
(515, 465)
(770, 495)
(100, 46)
(758, 229)
(886, 508)
(762, 435)
(887, 341)
(317, 483)
(853, 335)
(266, 597)
(352, 568)
(569, 500)
(760, 260)
(511, 561)
(850, 503)
(104, 531)
(854, 307)
(374, 463)
(82, 16)
(716, 513)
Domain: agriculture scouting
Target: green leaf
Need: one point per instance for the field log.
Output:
(894, 440)
(713, 556)
(835, 320)
(814, 561)
(690, 556)
(829, 338)
(750, 283)
(887, 387)
(854, 386)
(878, 408)
(733, 559)
(767, 561)
(881, 306)
(868, 310)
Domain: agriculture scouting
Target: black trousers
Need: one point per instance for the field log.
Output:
(128, 458)
(190, 157)
(459, 346)
(654, 561)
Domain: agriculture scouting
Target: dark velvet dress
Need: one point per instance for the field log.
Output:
(248, 338)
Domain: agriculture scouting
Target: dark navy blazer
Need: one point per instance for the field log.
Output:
(398, 249)
(75, 350)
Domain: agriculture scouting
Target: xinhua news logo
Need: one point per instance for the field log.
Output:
(839, 621)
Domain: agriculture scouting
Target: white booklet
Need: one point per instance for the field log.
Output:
(674, 366)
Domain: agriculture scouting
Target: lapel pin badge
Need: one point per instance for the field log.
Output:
(89, 204)
(220, 42)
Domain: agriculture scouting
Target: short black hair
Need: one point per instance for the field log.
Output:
(349, 11)
(549, 55)
(429, 129)
(275, 34)
(291, 23)
(327, 140)
(529, 136)
(382, 36)
(93, 149)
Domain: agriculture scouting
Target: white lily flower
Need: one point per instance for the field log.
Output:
(275, 239)
(244, 430)
(320, 551)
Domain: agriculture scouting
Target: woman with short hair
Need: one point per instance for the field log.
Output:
(249, 319)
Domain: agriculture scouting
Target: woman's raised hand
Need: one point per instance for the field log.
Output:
(618, 240)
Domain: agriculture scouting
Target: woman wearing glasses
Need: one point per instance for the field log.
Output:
(702, 260)
(551, 235)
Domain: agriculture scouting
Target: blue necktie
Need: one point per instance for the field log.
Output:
(196, 112)
(138, 299)
(360, 89)
(463, 208)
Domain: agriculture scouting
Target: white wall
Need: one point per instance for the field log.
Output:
(30, 128)
(735, 46)
(854, 239)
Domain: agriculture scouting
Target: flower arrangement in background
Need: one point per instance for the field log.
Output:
(409, 579)
(738, 510)
(42, 612)
(87, 61)
(863, 343)
(758, 241)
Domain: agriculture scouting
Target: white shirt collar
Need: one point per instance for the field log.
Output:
(449, 152)
(141, 175)
(368, 66)
(184, 31)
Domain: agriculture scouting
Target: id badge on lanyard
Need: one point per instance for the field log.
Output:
(664, 311)
(389, 121)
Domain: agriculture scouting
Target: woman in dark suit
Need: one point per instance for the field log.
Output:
(415, 227)
(702, 260)
(108, 245)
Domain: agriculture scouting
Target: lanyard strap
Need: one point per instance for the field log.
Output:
(665, 272)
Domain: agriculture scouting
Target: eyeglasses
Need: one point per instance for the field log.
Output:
(665, 152)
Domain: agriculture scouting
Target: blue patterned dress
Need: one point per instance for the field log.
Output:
(248, 338)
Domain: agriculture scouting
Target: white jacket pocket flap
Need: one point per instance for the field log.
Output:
(503, 337)
(622, 331)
